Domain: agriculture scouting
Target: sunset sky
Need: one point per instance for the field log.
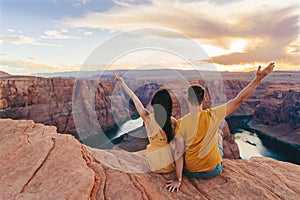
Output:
(40, 36)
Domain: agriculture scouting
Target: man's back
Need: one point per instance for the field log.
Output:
(199, 132)
(203, 142)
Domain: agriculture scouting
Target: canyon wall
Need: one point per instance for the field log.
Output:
(233, 87)
(38, 163)
(57, 101)
(277, 120)
(85, 108)
(49, 101)
(273, 112)
(279, 106)
(273, 109)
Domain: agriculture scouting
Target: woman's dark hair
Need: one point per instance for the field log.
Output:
(163, 105)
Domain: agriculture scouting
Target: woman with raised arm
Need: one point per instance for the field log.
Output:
(160, 127)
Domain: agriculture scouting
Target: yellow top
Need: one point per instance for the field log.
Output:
(199, 132)
(159, 151)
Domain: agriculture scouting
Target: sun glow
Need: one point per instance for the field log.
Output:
(238, 46)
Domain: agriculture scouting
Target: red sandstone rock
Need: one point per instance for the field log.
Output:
(279, 106)
(49, 101)
(38, 163)
(278, 117)
(230, 147)
(3, 104)
(136, 140)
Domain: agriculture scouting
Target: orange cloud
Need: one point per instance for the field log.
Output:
(269, 28)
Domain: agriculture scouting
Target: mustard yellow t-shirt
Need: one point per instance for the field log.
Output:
(199, 132)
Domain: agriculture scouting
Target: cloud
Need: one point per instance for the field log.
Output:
(64, 30)
(203, 19)
(88, 33)
(20, 39)
(20, 63)
(17, 39)
(29, 66)
(53, 34)
(11, 30)
(32, 58)
(85, 32)
(294, 47)
(268, 27)
(81, 2)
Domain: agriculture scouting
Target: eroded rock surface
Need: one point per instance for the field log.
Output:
(38, 163)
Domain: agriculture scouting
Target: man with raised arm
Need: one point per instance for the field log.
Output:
(198, 153)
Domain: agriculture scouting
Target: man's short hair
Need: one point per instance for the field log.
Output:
(196, 94)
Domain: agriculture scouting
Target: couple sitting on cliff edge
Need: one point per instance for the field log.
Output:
(198, 146)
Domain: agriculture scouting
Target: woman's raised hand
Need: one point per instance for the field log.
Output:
(117, 77)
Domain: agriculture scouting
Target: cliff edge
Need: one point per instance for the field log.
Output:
(38, 163)
(4, 74)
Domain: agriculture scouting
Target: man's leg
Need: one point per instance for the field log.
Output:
(204, 175)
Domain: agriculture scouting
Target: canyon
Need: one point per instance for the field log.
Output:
(39, 163)
(85, 107)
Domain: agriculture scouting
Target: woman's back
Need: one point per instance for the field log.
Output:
(157, 137)
(159, 151)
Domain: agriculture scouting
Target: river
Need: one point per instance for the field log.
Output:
(127, 127)
(250, 145)
(115, 135)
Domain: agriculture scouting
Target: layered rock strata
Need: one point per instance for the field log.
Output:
(85, 108)
(38, 163)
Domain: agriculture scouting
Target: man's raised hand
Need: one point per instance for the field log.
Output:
(266, 71)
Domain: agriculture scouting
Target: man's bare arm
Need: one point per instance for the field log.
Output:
(233, 104)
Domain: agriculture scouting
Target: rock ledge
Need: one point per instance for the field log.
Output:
(38, 163)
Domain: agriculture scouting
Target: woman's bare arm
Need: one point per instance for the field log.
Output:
(143, 112)
(178, 156)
